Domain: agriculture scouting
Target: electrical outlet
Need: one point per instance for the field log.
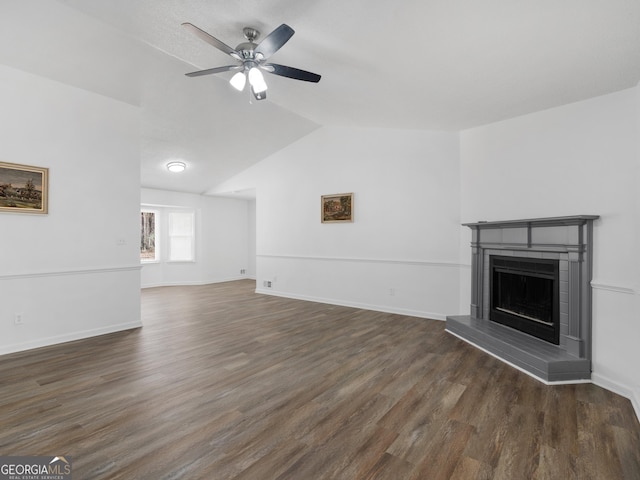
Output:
(17, 319)
(392, 292)
(242, 271)
(266, 283)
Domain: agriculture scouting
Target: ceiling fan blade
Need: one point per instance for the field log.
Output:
(210, 71)
(211, 40)
(291, 72)
(274, 41)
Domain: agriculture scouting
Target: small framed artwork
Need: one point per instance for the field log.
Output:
(23, 188)
(337, 208)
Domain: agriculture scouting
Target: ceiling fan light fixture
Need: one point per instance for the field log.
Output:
(238, 81)
(176, 167)
(256, 79)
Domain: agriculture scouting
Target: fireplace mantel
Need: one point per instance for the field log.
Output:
(565, 239)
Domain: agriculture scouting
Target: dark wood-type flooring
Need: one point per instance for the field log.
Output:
(223, 383)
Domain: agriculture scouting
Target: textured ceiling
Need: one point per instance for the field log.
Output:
(416, 64)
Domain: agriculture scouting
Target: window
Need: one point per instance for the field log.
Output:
(166, 234)
(148, 251)
(181, 236)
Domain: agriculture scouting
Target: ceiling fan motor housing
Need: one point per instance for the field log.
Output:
(246, 50)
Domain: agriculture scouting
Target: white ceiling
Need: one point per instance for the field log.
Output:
(415, 64)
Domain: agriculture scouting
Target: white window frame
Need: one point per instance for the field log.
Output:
(170, 235)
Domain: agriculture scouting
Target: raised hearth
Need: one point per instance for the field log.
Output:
(531, 295)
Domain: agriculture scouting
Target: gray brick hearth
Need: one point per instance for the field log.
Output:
(565, 239)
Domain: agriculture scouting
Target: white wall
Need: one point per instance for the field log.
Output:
(72, 273)
(401, 252)
(251, 264)
(577, 159)
(223, 240)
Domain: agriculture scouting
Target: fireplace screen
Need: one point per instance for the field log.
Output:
(524, 295)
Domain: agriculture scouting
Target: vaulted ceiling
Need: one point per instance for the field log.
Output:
(413, 64)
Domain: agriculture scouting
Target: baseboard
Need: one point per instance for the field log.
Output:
(615, 387)
(363, 306)
(69, 337)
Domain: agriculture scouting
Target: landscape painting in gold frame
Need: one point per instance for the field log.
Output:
(23, 188)
(337, 208)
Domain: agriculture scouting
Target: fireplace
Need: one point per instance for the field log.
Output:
(531, 295)
(524, 294)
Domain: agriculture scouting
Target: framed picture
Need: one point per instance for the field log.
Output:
(23, 189)
(337, 208)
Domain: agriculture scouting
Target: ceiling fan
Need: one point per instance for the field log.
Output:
(252, 58)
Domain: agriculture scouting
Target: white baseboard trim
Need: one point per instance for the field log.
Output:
(363, 306)
(68, 337)
(616, 387)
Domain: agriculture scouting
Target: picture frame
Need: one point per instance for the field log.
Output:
(336, 208)
(24, 188)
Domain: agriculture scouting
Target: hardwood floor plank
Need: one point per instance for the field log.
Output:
(560, 428)
(423, 415)
(597, 446)
(469, 468)
(520, 453)
(555, 464)
(443, 453)
(627, 441)
(389, 467)
(223, 383)
(492, 417)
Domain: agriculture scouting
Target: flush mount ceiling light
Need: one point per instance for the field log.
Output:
(252, 57)
(176, 167)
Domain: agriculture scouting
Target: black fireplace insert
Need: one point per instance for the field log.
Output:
(525, 295)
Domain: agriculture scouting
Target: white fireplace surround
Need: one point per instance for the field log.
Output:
(566, 239)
